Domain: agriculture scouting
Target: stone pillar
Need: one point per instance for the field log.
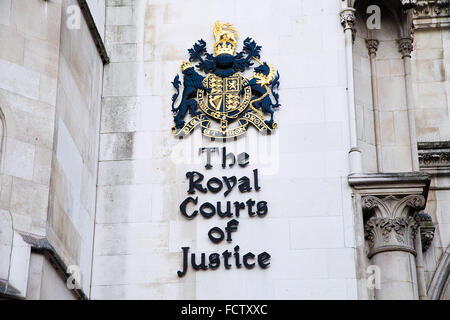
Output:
(405, 48)
(372, 47)
(390, 204)
(390, 233)
(348, 22)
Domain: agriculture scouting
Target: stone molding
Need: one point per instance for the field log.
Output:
(431, 14)
(393, 223)
(434, 157)
(7, 291)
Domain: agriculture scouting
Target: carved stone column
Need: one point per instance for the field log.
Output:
(348, 20)
(405, 48)
(372, 47)
(390, 204)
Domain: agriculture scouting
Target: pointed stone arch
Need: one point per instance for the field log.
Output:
(439, 288)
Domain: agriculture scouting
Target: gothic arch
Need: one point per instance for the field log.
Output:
(440, 283)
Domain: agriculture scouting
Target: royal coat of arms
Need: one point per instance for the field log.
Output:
(223, 103)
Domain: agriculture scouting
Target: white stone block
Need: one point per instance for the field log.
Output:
(20, 260)
(320, 232)
(5, 12)
(125, 203)
(19, 159)
(18, 79)
(341, 263)
(131, 238)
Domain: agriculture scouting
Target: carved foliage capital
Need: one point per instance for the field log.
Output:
(393, 223)
(405, 47)
(348, 19)
(372, 45)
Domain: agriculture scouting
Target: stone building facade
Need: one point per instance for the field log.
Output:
(356, 176)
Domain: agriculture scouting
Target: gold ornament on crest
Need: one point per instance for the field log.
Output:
(225, 36)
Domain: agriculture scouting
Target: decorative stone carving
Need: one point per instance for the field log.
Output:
(405, 47)
(427, 229)
(348, 20)
(393, 222)
(431, 14)
(434, 157)
(408, 4)
(372, 45)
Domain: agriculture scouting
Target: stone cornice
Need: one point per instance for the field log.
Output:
(434, 157)
(407, 182)
(431, 14)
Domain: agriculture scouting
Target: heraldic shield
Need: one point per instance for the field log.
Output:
(224, 95)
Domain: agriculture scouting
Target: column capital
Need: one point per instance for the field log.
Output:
(372, 46)
(393, 222)
(405, 46)
(348, 19)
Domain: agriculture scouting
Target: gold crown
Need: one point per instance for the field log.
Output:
(185, 65)
(225, 36)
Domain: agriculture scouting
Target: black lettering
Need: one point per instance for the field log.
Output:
(237, 207)
(224, 214)
(231, 227)
(207, 206)
(244, 184)
(183, 207)
(243, 159)
(216, 239)
(255, 179)
(202, 265)
(226, 156)
(246, 258)
(214, 261)
(185, 262)
(250, 204)
(214, 181)
(227, 181)
(226, 254)
(195, 184)
(236, 257)
(261, 208)
(208, 155)
(263, 259)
